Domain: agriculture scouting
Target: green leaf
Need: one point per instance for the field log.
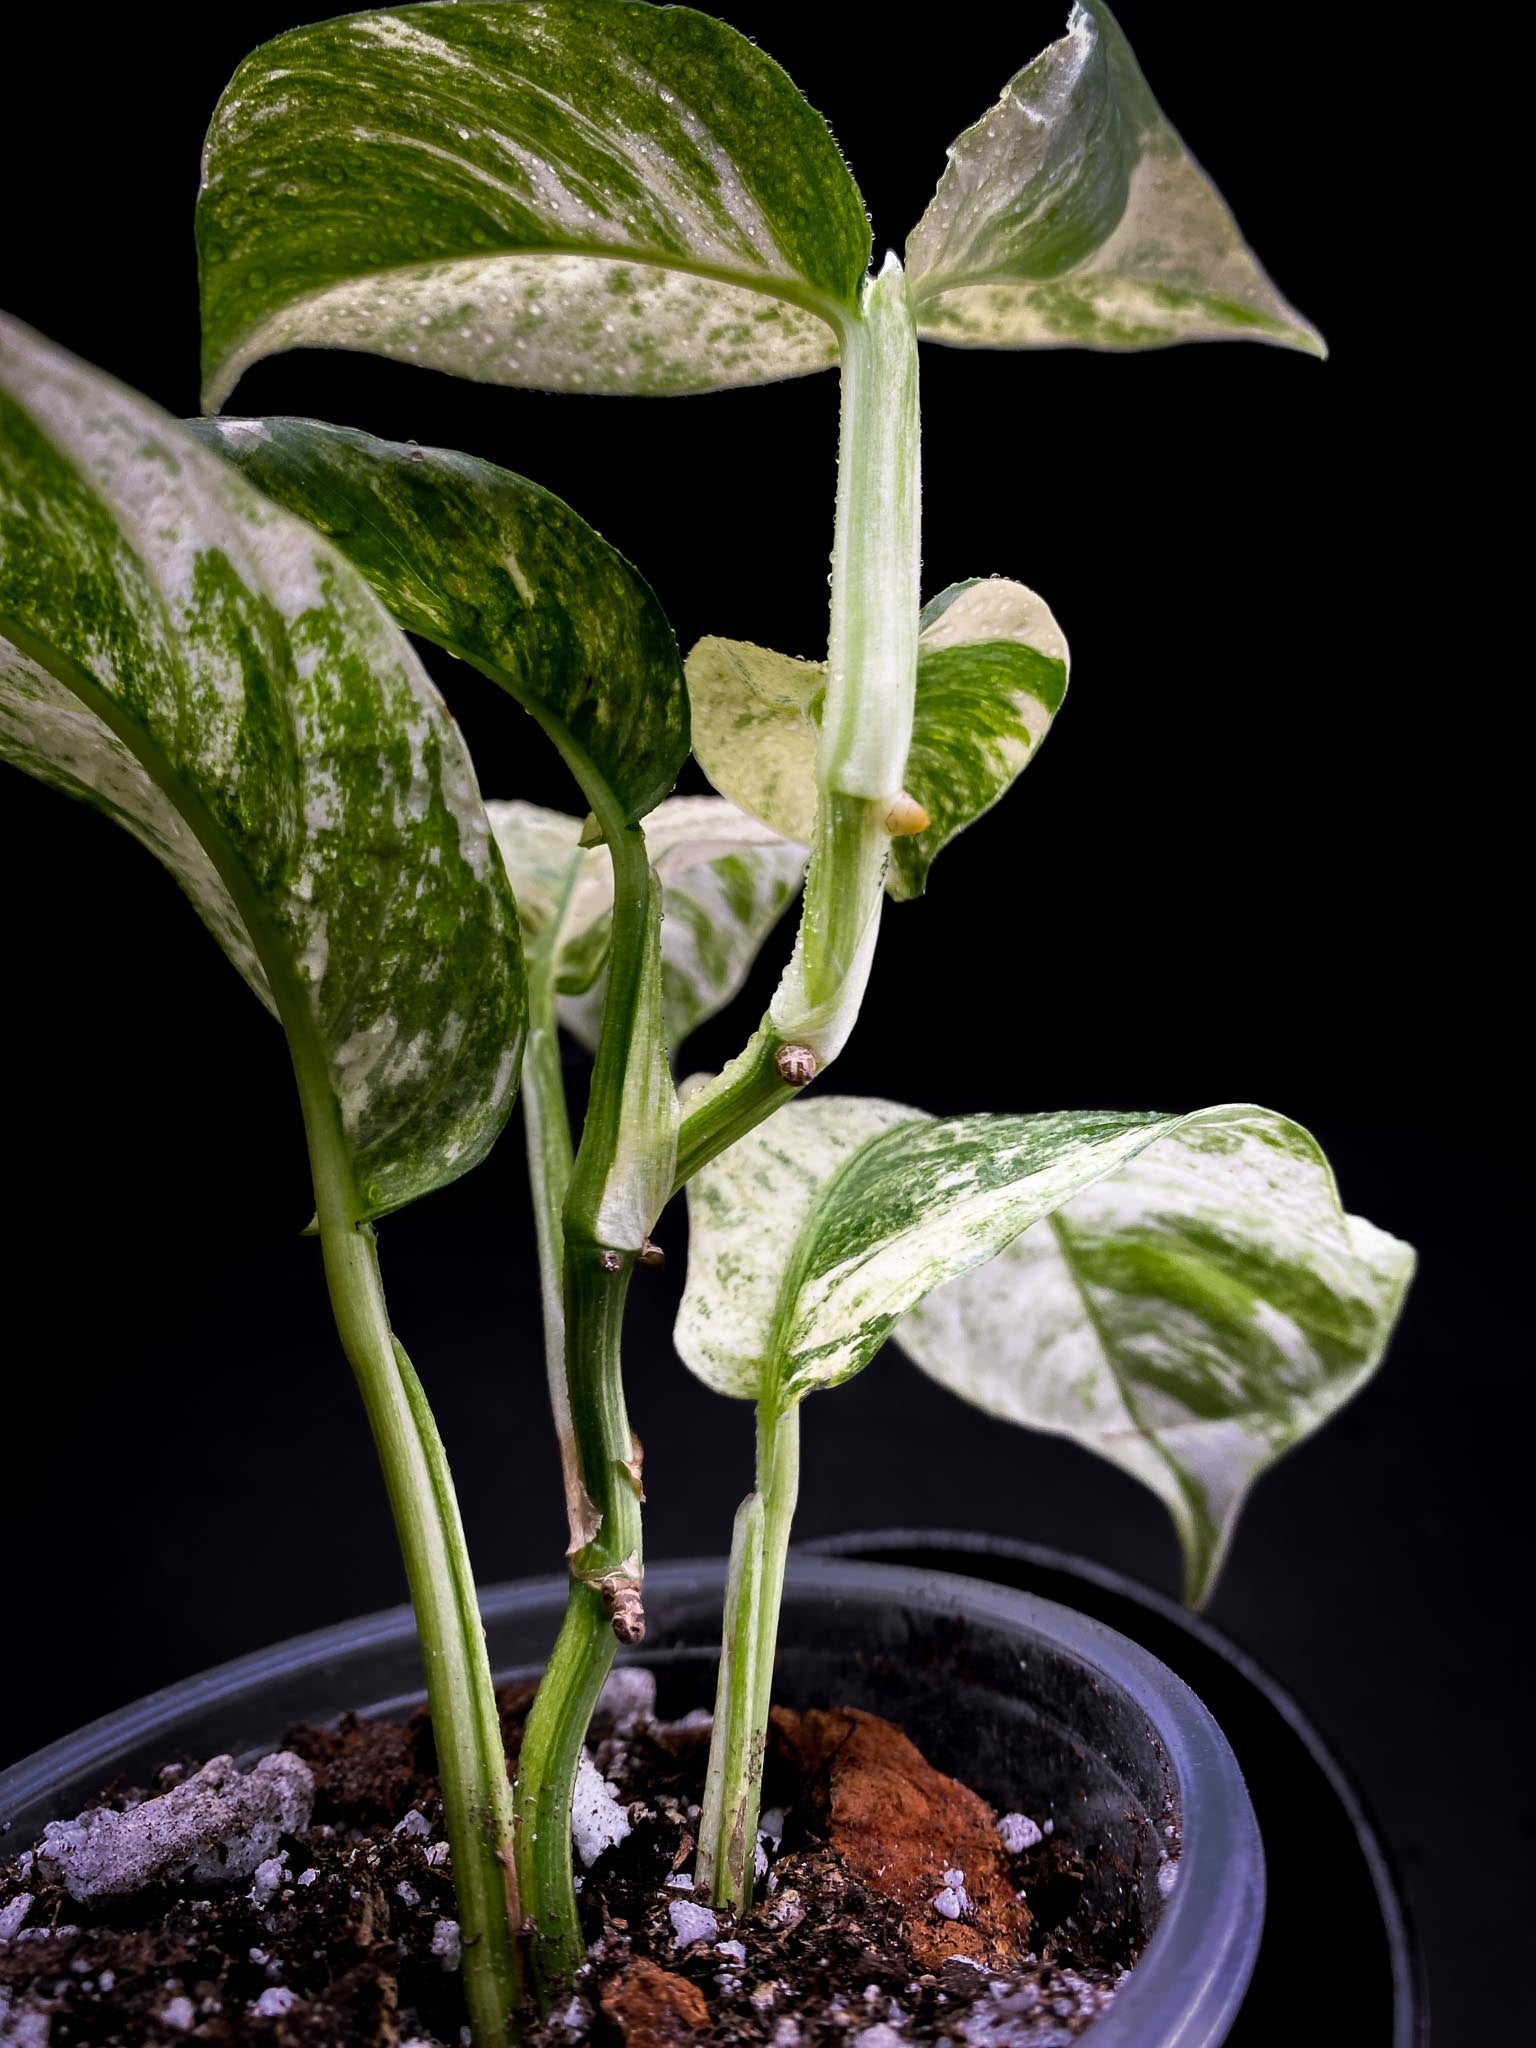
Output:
(1190, 1318)
(584, 195)
(1071, 215)
(503, 574)
(207, 670)
(991, 674)
(725, 882)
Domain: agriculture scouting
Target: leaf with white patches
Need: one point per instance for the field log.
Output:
(575, 195)
(991, 674)
(725, 881)
(207, 670)
(502, 574)
(1183, 1292)
(748, 1211)
(754, 717)
(1071, 215)
(539, 849)
(1190, 1318)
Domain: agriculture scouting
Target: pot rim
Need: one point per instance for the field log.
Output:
(1405, 1953)
(1198, 1961)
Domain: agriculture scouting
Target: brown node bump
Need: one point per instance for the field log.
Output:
(796, 1065)
(626, 1612)
(612, 1262)
(652, 1255)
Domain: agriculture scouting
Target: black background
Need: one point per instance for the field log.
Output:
(1239, 871)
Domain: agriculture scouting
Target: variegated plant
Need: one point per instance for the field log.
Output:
(210, 672)
(604, 195)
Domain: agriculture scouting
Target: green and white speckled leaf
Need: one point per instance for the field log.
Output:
(503, 574)
(991, 674)
(1071, 215)
(183, 655)
(590, 195)
(1190, 1318)
(752, 1214)
(880, 1226)
(725, 882)
(754, 716)
(1184, 1292)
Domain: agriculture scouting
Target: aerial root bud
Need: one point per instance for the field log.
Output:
(796, 1065)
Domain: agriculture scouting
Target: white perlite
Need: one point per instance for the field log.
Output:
(22, 2026)
(881, 2036)
(598, 1819)
(736, 1949)
(1167, 1876)
(180, 2015)
(788, 1909)
(627, 1699)
(414, 1824)
(446, 1944)
(952, 1901)
(269, 1879)
(13, 1915)
(217, 1827)
(407, 1893)
(273, 2002)
(1019, 1833)
(691, 1923)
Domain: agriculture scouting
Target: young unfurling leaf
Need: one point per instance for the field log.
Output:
(502, 574)
(583, 195)
(209, 671)
(1183, 1294)
(725, 882)
(1071, 215)
(991, 674)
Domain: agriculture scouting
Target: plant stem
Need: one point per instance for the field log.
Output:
(546, 1776)
(612, 1193)
(466, 1729)
(547, 1127)
(754, 1594)
(739, 1097)
(866, 726)
(861, 757)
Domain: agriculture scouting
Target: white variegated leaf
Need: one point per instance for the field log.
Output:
(725, 881)
(1190, 1318)
(588, 195)
(754, 719)
(210, 672)
(1182, 1292)
(747, 1211)
(992, 669)
(1071, 215)
(873, 1215)
(539, 847)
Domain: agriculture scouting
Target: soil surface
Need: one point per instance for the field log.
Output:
(893, 1907)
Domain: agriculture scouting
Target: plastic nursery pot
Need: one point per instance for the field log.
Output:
(1033, 1705)
(1332, 1892)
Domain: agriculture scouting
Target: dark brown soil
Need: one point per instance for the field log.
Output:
(357, 1948)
